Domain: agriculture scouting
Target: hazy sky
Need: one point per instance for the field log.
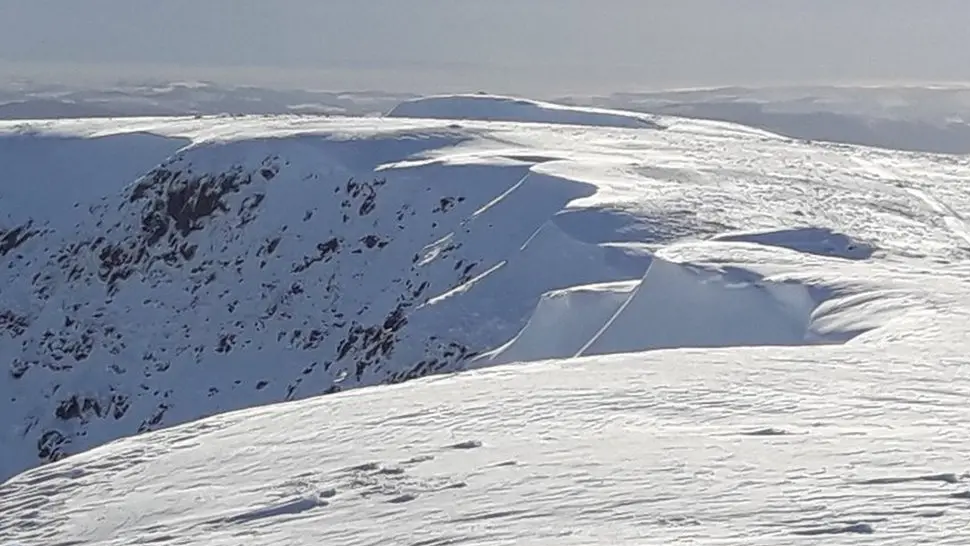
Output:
(498, 45)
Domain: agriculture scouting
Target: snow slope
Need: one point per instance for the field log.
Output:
(499, 108)
(32, 100)
(741, 446)
(926, 117)
(809, 297)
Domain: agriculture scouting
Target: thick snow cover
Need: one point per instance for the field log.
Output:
(708, 333)
(498, 108)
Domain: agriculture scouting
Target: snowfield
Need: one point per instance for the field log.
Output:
(497, 108)
(668, 331)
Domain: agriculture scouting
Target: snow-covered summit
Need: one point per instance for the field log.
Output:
(499, 108)
(487, 107)
(156, 271)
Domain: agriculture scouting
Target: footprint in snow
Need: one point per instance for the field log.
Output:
(400, 499)
(945, 478)
(470, 444)
(855, 528)
(366, 467)
(417, 460)
(291, 507)
(767, 432)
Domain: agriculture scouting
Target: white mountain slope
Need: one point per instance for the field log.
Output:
(279, 258)
(741, 446)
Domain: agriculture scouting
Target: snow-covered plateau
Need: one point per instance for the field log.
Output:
(665, 331)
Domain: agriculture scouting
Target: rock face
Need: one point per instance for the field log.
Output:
(251, 272)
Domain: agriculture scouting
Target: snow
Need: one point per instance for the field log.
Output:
(810, 240)
(925, 117)
(740, 446)
(692, 332)
(49, 175)
(677, 307)
(562, 322)
(32, 100)
(499, 108)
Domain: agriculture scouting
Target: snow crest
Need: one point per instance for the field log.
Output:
(676, 305)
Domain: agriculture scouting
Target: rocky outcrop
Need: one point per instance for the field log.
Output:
(201, 290)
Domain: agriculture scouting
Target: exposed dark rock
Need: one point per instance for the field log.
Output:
(13, 324)
(226, 342)
(12, 239)
(445, 204)
(50, 446)
(371, 241)
(325, 252)
(152, 422)
(177, 227)
(18, 368)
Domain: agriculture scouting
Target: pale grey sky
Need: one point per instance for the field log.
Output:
(498, 45)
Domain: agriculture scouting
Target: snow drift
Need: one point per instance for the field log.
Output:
(562, 323)
(696, 304)
(676, 305)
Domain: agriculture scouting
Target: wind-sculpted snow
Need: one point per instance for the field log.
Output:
(717, 294)
(820, 241)
(744, 446)
(258, 260)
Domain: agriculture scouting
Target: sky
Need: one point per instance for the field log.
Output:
(495, 45)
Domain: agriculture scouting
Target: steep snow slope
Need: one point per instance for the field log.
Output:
(279, 258)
